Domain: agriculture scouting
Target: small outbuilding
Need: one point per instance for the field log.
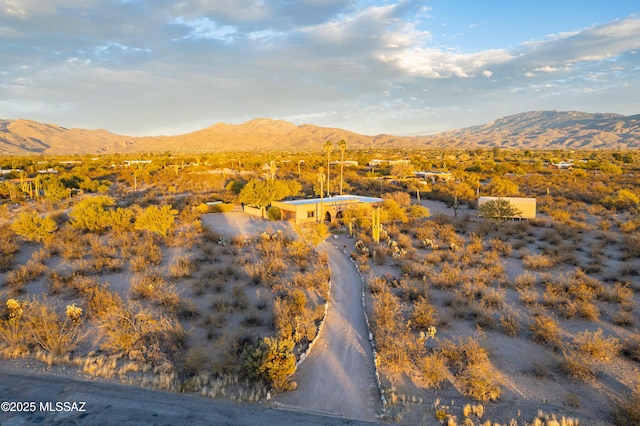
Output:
(526, 205)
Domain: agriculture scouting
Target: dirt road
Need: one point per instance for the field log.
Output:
(99, 403)
(338, 376)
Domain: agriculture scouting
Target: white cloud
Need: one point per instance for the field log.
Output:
(371, 66)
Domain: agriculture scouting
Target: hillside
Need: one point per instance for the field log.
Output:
(551, 129)
(533, 130)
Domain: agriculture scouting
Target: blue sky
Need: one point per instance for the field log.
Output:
(149, 67)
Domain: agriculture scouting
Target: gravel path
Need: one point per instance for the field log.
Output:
(338, 377)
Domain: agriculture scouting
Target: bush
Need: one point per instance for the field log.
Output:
(274, 213)
(478, 381)
(537, 262)
(596, 346)
(30, 226)
(546, 331)
(156, 219)
(56, 334)
(272, 360)
(434, 370)
(577, 366)
(91, 213)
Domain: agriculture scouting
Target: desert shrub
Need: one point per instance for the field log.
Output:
(479, 381)
(156, 219)
(631, 247)
(133, 329)
(525, 280)
(424, 314)
(274, 213)
(500, 246)
(623, 318)
(510, 325)
(474, 372)
(596, 346)
(182, 268)
(272, 360)
(528, 296)
(101, 301)
(546, 331)
(30, 226)
(56, 334)
(537, 262)
(192, 362)
(463, 352)
(217, 208)
(8, 246)
(145, 254)
(493, 298)
(17, 278)
(91, 213)
(448, 277)
(13, 330)
(434, 370)
(577, 366)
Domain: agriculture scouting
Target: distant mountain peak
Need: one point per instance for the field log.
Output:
(531, 129)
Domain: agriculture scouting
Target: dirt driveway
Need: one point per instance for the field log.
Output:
(114, 404)
(338, 376)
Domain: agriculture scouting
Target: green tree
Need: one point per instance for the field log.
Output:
(91, 213)
(499, 210)
(156, 219)
(32, 227)
(272, 360)
(261, 193)
(622, 200)
(502, 188)
(54, 190)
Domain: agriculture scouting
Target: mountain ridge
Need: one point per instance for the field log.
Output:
(527, 130)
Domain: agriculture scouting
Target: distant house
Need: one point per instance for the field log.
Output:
(128, 163)
(526, 205)
(345, 162)
(434, 176)
(320, 209)
(563, 165)
(377, 162)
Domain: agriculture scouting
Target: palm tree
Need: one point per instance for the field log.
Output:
(328, 146)
(343, 147)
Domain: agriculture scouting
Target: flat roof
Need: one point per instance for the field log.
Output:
(519, 199)
(335, 200)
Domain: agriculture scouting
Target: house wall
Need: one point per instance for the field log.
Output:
(526, 205)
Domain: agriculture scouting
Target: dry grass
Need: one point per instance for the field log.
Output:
(546, 331)
(596, 346)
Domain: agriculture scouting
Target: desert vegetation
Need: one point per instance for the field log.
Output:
(482, 311)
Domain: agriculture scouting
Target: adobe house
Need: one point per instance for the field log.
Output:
(526, 205)
(319, 209)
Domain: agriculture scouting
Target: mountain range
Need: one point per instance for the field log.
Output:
(528, 130)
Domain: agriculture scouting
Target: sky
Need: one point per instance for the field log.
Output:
(402, 67)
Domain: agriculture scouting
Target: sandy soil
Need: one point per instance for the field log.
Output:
(240, 224)
(338, 375)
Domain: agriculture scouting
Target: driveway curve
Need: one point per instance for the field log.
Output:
(338, 375)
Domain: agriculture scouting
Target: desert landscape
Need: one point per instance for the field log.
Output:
(143, 274)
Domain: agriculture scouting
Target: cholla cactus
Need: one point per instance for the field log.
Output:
(362, 248)
(16, 308)
(74, 313)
